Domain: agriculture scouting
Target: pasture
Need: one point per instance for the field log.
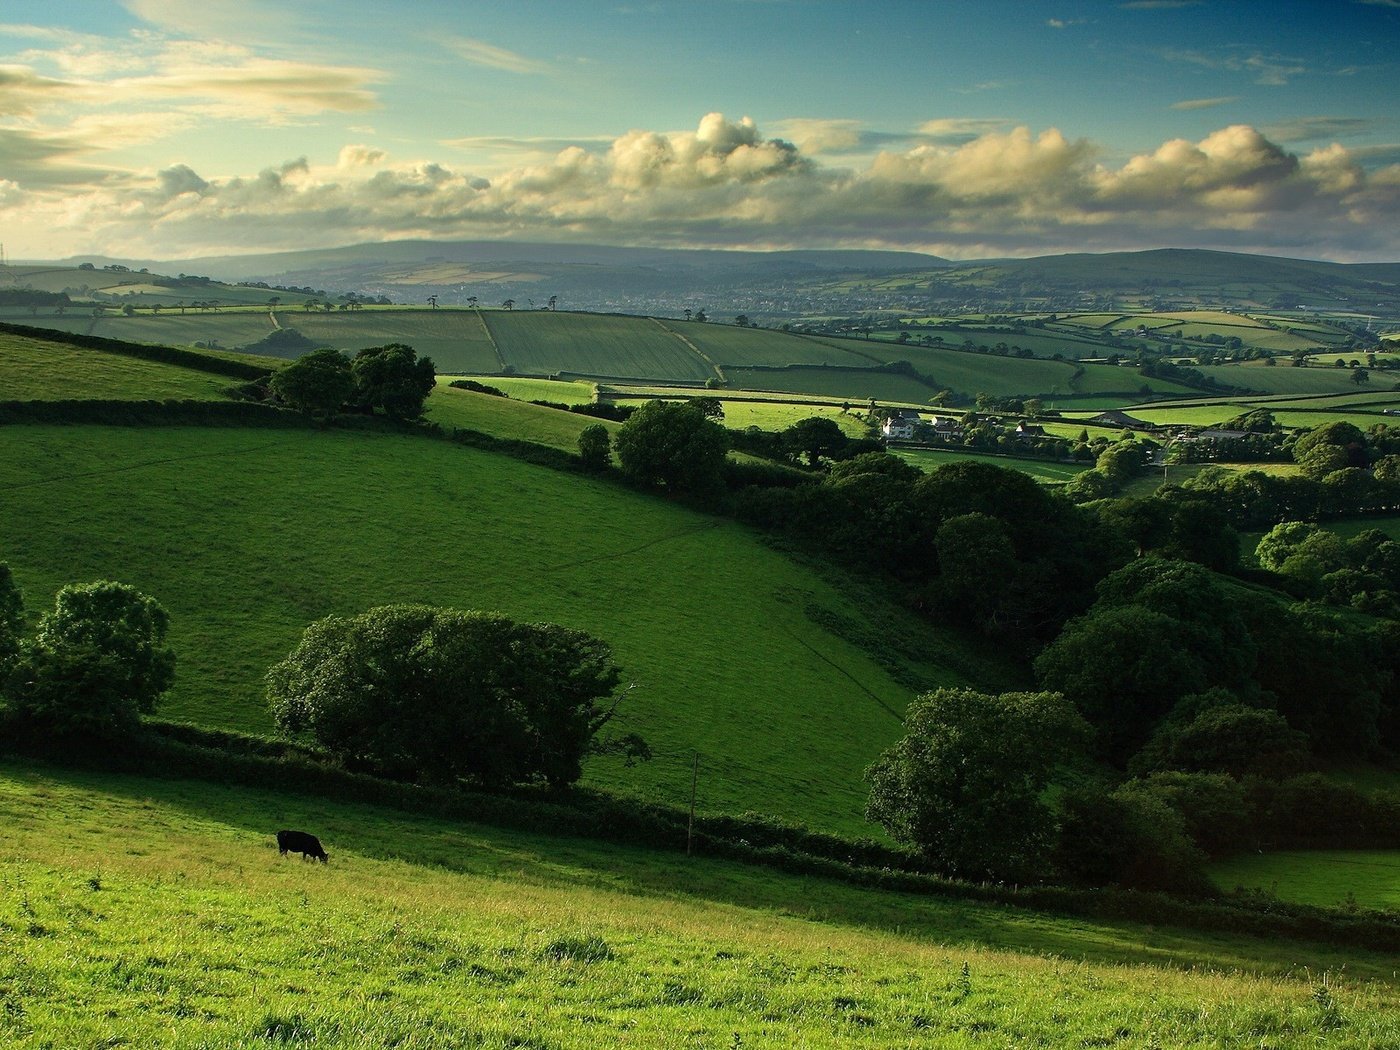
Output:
(508, 418)
(547, 343)
(1329, 878)
(146, 912)
(37, 370)
(246, 536)
(1045, 470)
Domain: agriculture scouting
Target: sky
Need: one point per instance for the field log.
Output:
(173, 129)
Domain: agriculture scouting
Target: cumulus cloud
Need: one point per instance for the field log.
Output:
(727, 183)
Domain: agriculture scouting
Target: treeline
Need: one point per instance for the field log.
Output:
(32, 297)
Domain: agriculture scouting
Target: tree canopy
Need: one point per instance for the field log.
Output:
(673, 446)
(318, 383)
(96, 663)
(393, 378)
(419, 692)
(964, 785)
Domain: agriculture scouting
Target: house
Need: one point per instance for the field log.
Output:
(1028, 431)
(948, 428)
(900, 426)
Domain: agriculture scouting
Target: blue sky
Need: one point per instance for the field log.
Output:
(175, 128)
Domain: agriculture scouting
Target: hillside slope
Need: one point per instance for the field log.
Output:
(147, 913)
(249, 535)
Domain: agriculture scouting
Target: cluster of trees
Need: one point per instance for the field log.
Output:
(392, 379)
(441, 695)
(95, 663)
(409, 691)
(1363, 572)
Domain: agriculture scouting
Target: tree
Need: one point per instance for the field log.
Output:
(595, 447)
(418, 692)
(817, 438)
(509, 304)
(742, 320)
(964, 785)
(553, 302)
(432, 301)
(318, 383)
(393, 378)
(97, 662)
(673, 446)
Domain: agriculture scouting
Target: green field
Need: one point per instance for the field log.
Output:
(1283, 379)
(1040, 469)
(856, 385)
(508, 418)
(1330, 878)
(37, 370)
(546, 343)
(246, 536)
(141, 912)
(560, 392)
(727, 344)
(456, 340)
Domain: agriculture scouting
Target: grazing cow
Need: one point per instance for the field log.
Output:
(301, 842)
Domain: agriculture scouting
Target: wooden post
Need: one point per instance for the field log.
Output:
(690, 827)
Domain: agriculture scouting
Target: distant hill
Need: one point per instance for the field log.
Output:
(1181, 275)
(595, 277)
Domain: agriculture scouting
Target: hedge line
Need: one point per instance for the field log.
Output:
(148, 352)
(185, 752)
(150, 413)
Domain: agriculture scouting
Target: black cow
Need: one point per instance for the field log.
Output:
(301, 842)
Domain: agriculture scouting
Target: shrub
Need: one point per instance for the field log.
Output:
(1128, 838)
(595, 447)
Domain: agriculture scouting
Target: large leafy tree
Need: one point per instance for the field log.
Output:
(97, 662)
(964, 786)
(673, 446)
(393, 378)
(318, 383)
(420, 692)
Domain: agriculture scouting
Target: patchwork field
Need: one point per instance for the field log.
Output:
(541, 343)
(422, 934)
(1040, 469)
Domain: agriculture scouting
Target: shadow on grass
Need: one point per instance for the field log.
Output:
(353, 832)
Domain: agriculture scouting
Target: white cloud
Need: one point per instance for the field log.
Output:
(1205, 103)
(480, 53)
(727, 183)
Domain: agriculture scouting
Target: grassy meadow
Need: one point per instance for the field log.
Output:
(1048, 470)
(504, 418)
(246, 536)
(145, 912)
(37, 370)
(1329, 878)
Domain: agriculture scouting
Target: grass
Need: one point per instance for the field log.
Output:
(248, 536)
(1283, 379)
(36, 370)
(560, 392)
(1041, 469)
(139, 912)
(546, 343)
(1330, 878)
(508, 418)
